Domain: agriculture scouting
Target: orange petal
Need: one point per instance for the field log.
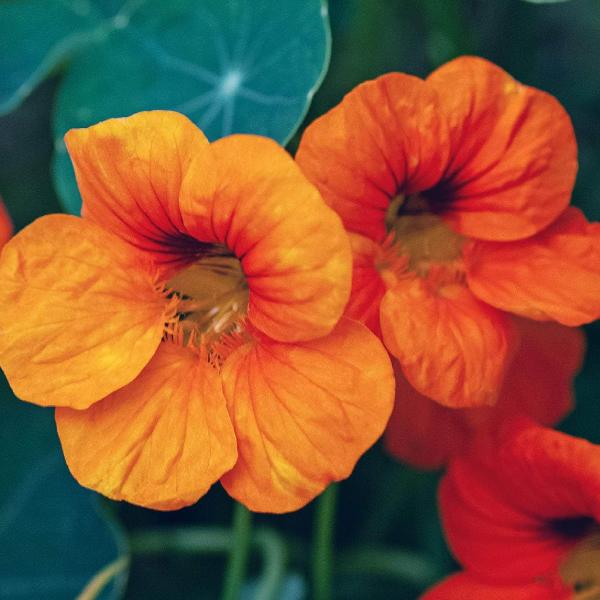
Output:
(368, 288)
(80, 314)
(294, 251)
(539, 383)
(554, 275)
(503, 503)
(6, 226)
(463, 586)
(160, 441)
(451, 347)
(304, 414)
(129, 172)
(385, 138)
(420, 431)
(514, 155)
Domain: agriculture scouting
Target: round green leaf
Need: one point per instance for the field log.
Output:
(55, 537)
(243, 66)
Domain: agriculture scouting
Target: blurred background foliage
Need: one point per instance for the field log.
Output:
(55, 536)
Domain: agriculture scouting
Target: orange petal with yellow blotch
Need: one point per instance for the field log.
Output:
(304, 413)
(386, 137)
(159, 442)
(293, 248)
(129, 172)
(464, 586)
(6, 226)
(452, 347)
(420, 431)
(554, 275)
(368, 288)
(81, 315)
(513, 149)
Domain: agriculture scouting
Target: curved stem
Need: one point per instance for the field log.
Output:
(322, 557)
(238, 556)
(98, 583)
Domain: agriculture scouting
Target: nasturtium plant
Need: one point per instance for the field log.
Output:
(55, 536)
(232, 66)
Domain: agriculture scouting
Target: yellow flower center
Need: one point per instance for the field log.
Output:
(212, 296)
(420, 241)
(581, 567)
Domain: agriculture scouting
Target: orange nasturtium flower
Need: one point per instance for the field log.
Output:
(539, 383)
(187, 328)
(522, 516)
(456, 192)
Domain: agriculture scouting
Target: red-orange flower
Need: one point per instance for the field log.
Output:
(6, 226)
(539, 383)
(456, 192)
(521, 513)
(188, 326)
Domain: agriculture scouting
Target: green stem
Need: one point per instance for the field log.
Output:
(238, 555)
(322, 563)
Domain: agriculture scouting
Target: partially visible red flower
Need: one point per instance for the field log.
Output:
(539, 383)
(6, 226)
(456, 190)
(521, 512)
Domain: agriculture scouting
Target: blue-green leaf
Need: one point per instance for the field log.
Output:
(545, 1)
(54, 536)
(230, 65)
(35, 36)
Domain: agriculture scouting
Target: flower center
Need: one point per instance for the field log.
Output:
(212, 301)
(422, 239)
(581, 567)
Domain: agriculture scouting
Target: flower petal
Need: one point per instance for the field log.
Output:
(368, 287)
(293, 248)
(6, 226)
(81, 315)
(451, 347)
(514, 155)
(160, 441)
(554, 275)
(386, 137)
(539, 383)
(499, 501)
(304, 414)
(129, 172)
(463, 586)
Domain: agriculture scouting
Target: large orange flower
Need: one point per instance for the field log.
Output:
(188, 326)
(539, 383)
(456, 191)
(521, 515)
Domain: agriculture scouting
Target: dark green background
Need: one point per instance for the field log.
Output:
(384, 505)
